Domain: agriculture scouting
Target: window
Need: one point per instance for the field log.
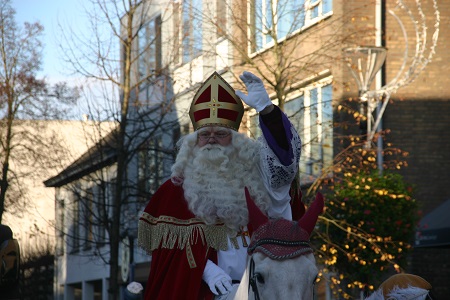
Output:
(311, 113)
(176, 23)
(192, 34)
(278, 19)
(221, 15)
(88, 219)
(255, 131)
(317, 8)
(101, 211)
(75, 226)
(150, 168)
(60, 210)
(111, 192)
(290, 16)
(149, 51)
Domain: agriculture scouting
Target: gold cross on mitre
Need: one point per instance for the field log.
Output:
(213, 105)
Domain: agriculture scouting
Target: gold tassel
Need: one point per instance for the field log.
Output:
(168, 231)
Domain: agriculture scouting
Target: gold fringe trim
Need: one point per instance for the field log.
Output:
(168, 231)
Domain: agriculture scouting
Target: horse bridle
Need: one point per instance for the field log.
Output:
(253, 281)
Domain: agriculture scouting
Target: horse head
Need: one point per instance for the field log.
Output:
(281, 263)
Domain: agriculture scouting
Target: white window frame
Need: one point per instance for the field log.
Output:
(75, 217)
(150, 29)
(87, 219)
(61, 202)
(195, 17)
(101, 206)
(150, 166)
(309, 21)
(308, 161)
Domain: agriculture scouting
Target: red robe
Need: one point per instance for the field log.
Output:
(180, 245)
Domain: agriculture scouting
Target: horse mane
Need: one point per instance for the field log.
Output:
(243, 289)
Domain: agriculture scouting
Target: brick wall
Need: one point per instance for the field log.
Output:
(418, 116)
(433, 81)
(422, 128)
(433, 264)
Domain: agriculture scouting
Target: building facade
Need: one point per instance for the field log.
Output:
(43, 148)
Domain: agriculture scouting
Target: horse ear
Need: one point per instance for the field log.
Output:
(297, 206)
(255, 215)
(308, 221)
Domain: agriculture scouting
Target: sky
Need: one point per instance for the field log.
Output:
(70, 14)
(50, 13)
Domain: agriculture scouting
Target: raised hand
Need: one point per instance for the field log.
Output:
(257, 95)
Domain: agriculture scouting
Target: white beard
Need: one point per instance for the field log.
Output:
(214, 181)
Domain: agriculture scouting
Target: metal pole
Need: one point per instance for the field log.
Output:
(131, 258)
(379, 25)
(379, 145)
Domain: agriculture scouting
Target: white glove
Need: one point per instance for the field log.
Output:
(257, 95)
(135, 288)
(218, 281)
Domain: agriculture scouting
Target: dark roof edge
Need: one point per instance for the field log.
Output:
(79, 172)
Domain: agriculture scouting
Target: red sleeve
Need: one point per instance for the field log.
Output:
(171, 276)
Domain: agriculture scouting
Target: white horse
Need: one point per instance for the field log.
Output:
(281, 264)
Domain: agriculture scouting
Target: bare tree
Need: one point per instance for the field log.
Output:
(23, 96)
(280, 41)
(122, 56)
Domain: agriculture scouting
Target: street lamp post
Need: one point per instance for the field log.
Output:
(364, 63)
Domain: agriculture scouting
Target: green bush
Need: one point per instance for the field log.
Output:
(368, 226)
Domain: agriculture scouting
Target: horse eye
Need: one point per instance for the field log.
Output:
(260, 278)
